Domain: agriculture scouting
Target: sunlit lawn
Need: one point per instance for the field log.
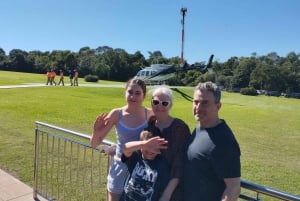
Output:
(13, 78)
(267, 128)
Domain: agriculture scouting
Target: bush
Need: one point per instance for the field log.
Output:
(250, 91)
(272, 93)
(91, 78)
(175, 82)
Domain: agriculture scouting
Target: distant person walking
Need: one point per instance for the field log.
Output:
(76, 77)
(48, 75)
(61, 78)
(52, 77)
(71, 77)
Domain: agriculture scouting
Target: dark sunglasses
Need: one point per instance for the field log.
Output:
(163, 103)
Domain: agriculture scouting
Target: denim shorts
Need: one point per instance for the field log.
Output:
(116, 176)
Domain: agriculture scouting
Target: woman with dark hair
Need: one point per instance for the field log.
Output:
(129, 121)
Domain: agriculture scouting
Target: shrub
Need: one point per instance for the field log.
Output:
(175, 82)
(91, 78)
(250, 91)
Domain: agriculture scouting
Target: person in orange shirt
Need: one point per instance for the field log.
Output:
(52, 77)
(61, 78)
(48, 74)
(76, 77)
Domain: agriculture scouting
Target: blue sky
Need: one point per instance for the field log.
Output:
(224, 28)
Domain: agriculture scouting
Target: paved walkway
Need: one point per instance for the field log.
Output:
(11, 189)
(23, 85)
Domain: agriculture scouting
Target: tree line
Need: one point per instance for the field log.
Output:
(269, 72)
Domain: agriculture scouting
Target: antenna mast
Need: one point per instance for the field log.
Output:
(183, 11)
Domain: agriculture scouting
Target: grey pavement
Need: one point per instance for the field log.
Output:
(11, 189)
(23, 85)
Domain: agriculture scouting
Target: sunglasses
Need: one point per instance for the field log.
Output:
(163, 103)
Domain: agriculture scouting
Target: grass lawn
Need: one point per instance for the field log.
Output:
(267, 128)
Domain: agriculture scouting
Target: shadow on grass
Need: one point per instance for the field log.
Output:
(184, 95)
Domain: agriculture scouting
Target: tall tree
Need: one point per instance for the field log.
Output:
(18, 60)
(241, 77)
(85, 61)
(3, 60)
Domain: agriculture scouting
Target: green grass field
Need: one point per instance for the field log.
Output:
(267, 128)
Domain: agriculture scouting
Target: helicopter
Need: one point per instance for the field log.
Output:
(158, 73)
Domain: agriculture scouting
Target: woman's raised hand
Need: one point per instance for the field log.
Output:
(101, 122)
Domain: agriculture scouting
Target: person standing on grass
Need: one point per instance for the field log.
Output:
(212, 166)
(71, 77)
(148, 172)
(52, 77)
(76, 74)
(48, 74)
(129, 121)
(61, 78)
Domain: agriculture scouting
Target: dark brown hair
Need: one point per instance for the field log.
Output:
(139, 82)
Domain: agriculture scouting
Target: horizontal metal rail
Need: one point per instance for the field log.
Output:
(259, 189)
(70, 132)
(56, 146)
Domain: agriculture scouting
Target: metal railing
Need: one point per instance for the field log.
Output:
(67, 168)
(263, 191)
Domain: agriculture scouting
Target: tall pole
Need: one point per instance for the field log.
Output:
(183, 11)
